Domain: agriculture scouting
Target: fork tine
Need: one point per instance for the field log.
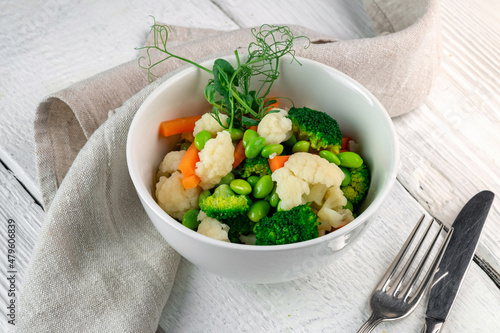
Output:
(384, 281)
(401, 276)
(413, 279)
(432, 270)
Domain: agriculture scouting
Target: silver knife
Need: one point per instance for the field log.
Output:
(456, 260)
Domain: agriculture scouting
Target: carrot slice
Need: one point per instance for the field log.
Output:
(273, 105)
(278, 162)
(189, 160)
(345, 143)
(179, 125)
(239, 154)
(254, 127)
(190, 181)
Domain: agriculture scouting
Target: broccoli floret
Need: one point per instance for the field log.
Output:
(238, 226)
(356, 190)
(284, 227)
(254, 166)
(224, 204)
(317, 127)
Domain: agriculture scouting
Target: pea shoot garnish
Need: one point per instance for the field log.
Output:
(229, 90)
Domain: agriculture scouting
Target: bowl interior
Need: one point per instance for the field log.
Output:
(314, 85)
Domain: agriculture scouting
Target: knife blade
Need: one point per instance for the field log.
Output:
(456, 260)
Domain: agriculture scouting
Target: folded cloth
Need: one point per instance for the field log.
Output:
(99, 264)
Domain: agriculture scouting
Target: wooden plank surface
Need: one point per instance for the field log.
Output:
(450, 148)
(49, 45)
(451, 144)
(333, 300)
(19, 209)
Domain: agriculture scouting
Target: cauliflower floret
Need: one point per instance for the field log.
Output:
(208, 123)
(330, 218)
(212, 228)
(290, 189)
(331, 213)
(275, 127)
(314, 169)
(173, 198)
(170, 163)
(299, 176)
(216, 160)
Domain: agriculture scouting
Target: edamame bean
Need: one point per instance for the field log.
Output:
(258, 210)
(347, 178)
(349, 206)
(254, 147)
(190, 219)
(290, 142)
(271, 149)
(240, 186)
(248, 136)
(252, 180)
(329, 156)
(227, 179)
(274, 199)
(301, 146)
(236, 133)
(263, 187)
(350, 159)
(203, 195)
(223, 191)
(201, 139)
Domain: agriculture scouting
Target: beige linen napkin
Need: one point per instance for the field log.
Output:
(99, 264)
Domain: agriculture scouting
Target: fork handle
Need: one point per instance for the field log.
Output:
(370, 324)
(432, 325)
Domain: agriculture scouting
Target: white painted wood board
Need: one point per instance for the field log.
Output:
(333, 300)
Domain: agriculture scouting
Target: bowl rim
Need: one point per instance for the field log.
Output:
(370, 210)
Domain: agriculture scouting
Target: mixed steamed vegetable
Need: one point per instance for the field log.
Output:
(250, 172)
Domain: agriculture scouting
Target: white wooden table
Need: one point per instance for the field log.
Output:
(450, 150)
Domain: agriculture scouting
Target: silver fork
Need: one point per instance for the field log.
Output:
(397, 295)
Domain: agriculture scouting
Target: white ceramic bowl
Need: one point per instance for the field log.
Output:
(314, 85)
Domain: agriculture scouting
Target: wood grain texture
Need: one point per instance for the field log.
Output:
(450, 145)
(49, 45)
(333, 300)
(337, 18)
(18, 205)
(449, 149)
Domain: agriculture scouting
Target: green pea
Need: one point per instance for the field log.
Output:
(248, 136)
(227, 179)
(203, 195)
(258, 210)
(254, 147)
(263, 187)
(301, 146)
(329, 156)
(349, 159)
(201, 139)
(223, 191)
(190, 219)
(349, 206)
(252, 180)
(271, 149)
(279, 208)
(236, 133)
(290, 142)
(347, 178)
(240, 186)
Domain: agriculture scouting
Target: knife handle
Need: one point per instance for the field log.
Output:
(432, 325)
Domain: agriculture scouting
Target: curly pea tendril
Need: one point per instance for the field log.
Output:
(228, 90)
